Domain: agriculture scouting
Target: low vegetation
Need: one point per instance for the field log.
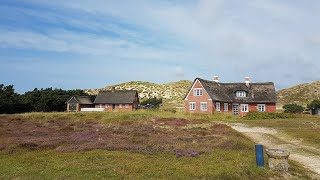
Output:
(129, 145)
(267, 115)
(293, 108)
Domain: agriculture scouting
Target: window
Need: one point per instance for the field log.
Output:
(107, 105)
(197, 91)
(217, 106)
(244, 108)
(241, 94)
(127, 106)
(192, 106)
(120, 105)
(203, 106)
(225, 107)
(261, 107)
(100, 105)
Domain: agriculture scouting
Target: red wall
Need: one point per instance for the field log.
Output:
(197, 99)
(117, 108)
(270, 107)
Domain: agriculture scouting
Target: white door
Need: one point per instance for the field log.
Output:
(235, 109)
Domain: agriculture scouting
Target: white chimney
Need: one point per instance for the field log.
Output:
(215, 78)
(247, 80)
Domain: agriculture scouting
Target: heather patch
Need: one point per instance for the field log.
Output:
(177, 136)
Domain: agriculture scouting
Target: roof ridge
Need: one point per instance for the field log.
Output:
(234, 82)
(263, 91)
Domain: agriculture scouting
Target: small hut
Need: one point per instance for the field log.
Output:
(75, 103)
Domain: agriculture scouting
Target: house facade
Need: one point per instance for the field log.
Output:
(119, 100)
(208, 97)
(75, 103)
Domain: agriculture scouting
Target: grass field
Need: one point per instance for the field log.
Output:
(135, 145)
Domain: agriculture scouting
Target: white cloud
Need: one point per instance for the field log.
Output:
(82, 43)
(179, 72)
(229, 37)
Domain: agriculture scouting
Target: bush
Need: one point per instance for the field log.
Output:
(293, 108)
(266, 115)
(151, 103)
(314, 104)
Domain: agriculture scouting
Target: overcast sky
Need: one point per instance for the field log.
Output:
(73, 44)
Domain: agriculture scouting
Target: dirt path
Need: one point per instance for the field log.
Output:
(308, 156)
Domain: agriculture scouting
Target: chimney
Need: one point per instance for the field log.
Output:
(247, 80)
(113, 89)
(215, 78)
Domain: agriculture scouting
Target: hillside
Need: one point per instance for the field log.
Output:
(301, 94)
(172, 93)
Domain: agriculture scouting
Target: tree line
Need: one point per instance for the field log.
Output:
(37, 100)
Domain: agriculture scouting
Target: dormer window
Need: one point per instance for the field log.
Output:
(241, 94)
(197, 91)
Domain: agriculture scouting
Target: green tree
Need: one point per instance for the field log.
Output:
(153, 101)
(314, 104)
(9, 100)
(293, 108)
(38, 100)
(46, 100)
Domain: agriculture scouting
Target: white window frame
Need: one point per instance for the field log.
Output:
(203, 106)
(192, 106)
(261, 107)
(197, 92)
(127, 106)
(120, 105)
(100, 105)
(241, 93)
(107, 105)
(244, 108)
(226, 107)
(218, 107)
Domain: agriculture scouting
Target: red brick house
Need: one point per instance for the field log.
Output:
(75, 103)
(120, 100)
(206, 96)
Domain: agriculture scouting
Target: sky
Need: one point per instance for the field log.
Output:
(78, 44)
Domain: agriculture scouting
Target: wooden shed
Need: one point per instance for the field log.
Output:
(75, 103)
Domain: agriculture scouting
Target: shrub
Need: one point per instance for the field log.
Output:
(266, 115)
(293, 108)
(314, 104)
(151, 103)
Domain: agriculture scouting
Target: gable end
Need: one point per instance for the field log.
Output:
(72, 100)
(192, 87)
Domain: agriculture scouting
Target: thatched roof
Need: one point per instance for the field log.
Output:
(256, 92)
(116, 97)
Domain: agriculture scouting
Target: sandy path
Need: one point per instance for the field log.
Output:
(308, 156)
